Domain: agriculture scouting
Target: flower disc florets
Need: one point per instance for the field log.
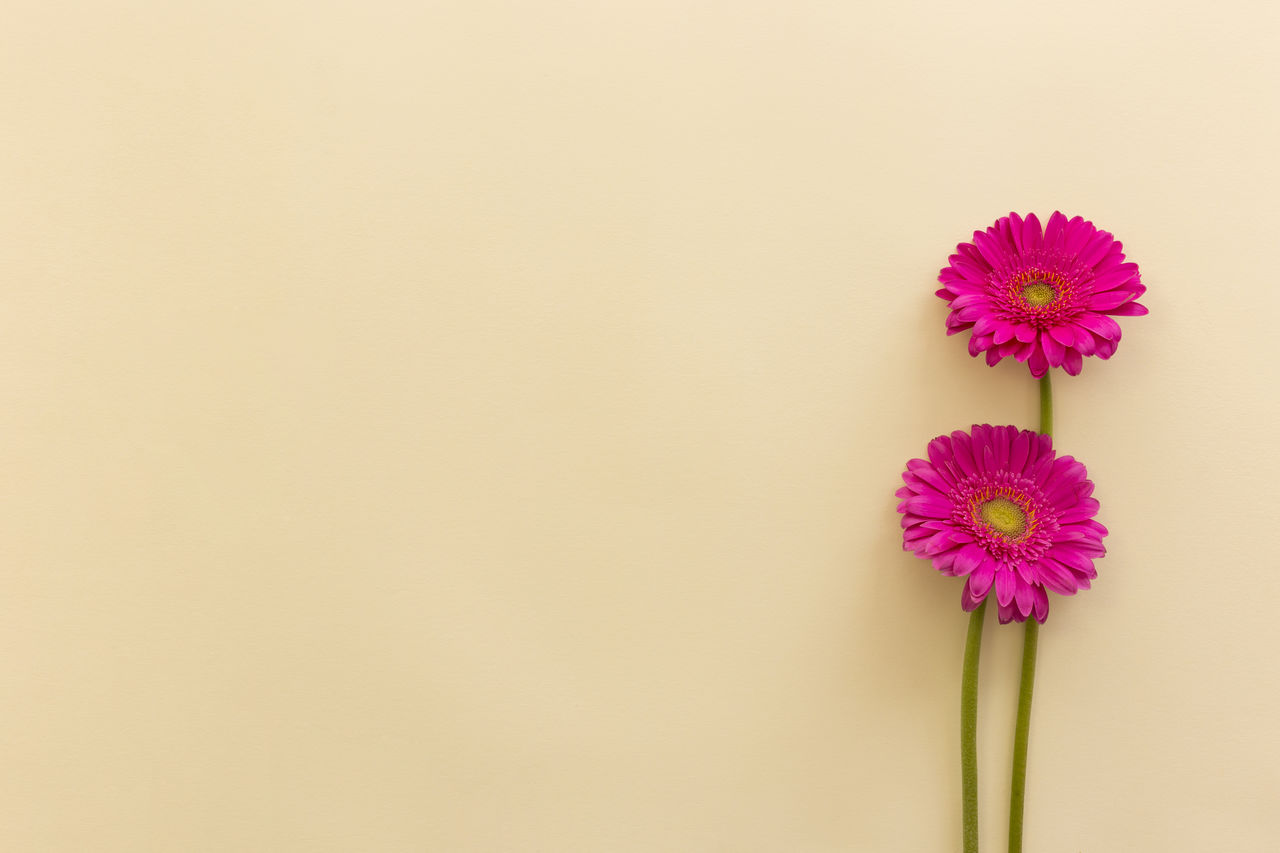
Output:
(1046, 297)
(997, 506)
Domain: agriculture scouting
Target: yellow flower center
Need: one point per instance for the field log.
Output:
(1004, 517)
(1039, 293)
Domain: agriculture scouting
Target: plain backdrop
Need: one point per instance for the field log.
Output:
(473, 426)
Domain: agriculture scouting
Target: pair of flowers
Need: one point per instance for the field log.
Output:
(996, 505)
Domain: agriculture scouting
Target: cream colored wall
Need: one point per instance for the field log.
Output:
(473, 426)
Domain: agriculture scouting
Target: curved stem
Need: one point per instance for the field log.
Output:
(1030, 644)
(969, 729)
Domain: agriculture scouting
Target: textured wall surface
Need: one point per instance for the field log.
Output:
(473, 426)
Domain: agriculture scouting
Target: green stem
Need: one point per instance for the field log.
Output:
(969, 729)
(1018, 791)
(1030, 644)
(1046, 406)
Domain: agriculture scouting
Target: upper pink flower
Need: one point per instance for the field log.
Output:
(998, 507)
(1044, 297)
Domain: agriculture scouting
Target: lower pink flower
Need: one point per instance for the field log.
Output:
(998, 507)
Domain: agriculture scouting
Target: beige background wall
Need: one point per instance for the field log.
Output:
(473, 426)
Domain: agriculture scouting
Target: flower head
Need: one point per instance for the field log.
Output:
(998, 507)
(1047, 298)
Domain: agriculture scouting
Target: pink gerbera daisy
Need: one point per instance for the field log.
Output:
(1046, 298)
(998, 507)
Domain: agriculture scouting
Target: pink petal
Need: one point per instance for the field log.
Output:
(971, 253)
(1018, 452)
(986, 325)
(1110, 299)
(989, 248)
(940, 451)
(1096, 526)
(939, 542)
(964, 300)
(1052, 349)
(1084, 340)
(962, 452)
(1096, 249)
(1069, 470)
(918, 534)
(1064, 335)
(1055, 576)
(1024, 599)
(989, 460)
(1038, 363)
(1005, 583)
(1007, 614)
(1000, 447)
(1072, 558)
(1015, 226)
(1054, 229)
(972, 270)
(1004, 231)
(1089, 547)
(1042, 605)
(1099, 324)
(968, 558)
(1130, 309)
(978, 343)
(1113, 279)
(1031, 233)
(1078, 233)
(1046, 446)
(1087, 508)
(943, 562)
(932, 477)
(980, 580)
(929, 506)
(1114, 258)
